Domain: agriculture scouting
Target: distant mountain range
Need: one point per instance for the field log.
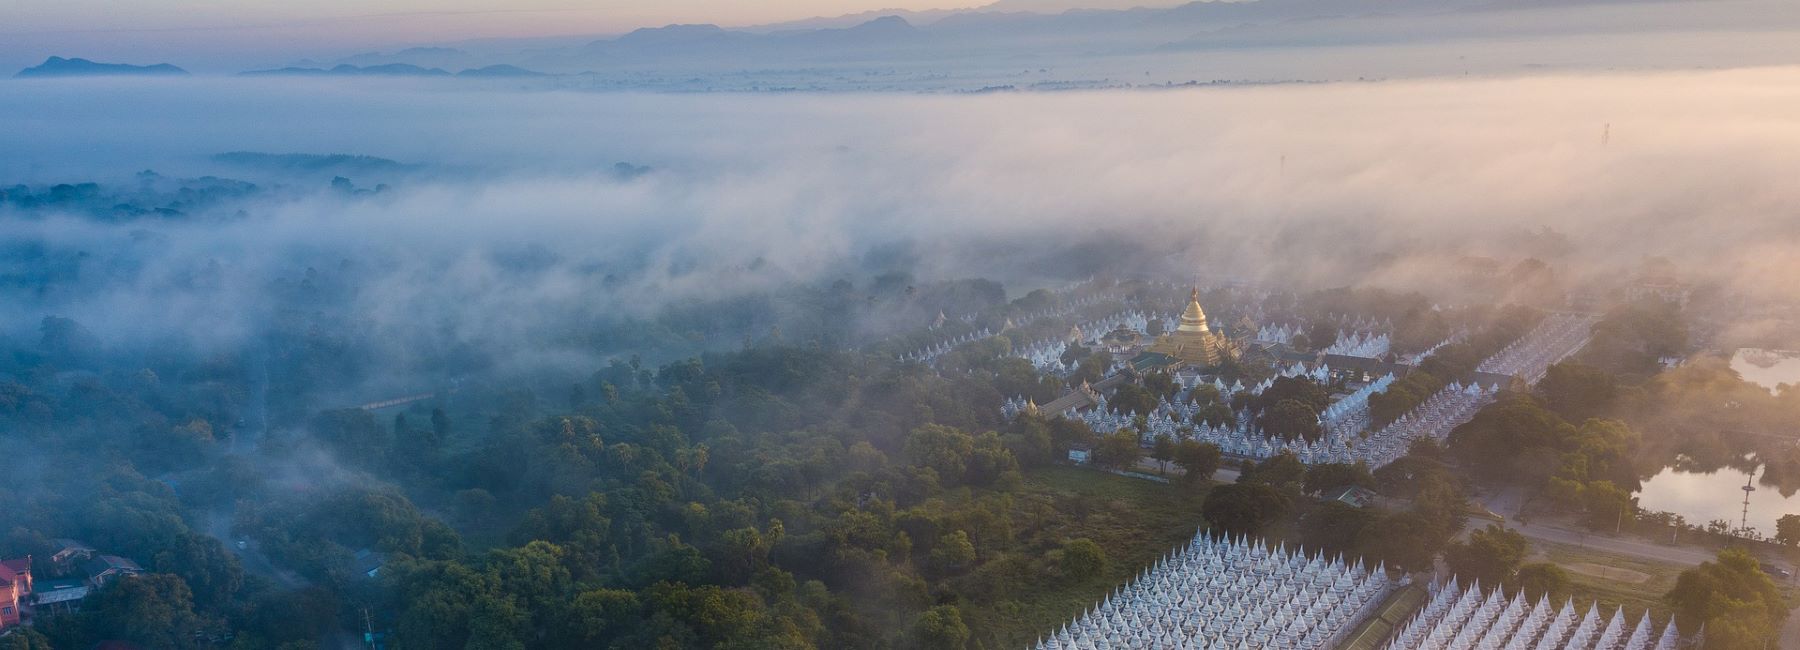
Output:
(1021, 29)
(704, 41)
(395, 70)
(1005, 44)
(976, 34)
(57, 66)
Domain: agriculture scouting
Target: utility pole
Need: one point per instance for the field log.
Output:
(1744, 524)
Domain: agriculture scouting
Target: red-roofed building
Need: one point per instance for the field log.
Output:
(15, 590)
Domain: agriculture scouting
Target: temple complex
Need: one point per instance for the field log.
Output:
(1232, 594)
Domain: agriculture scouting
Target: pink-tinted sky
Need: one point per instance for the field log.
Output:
(231, 34)
(420, 19)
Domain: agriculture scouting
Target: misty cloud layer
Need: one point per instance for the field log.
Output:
(517, 212)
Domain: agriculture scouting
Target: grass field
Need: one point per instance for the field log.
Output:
(1613, 580)
(1135, 521)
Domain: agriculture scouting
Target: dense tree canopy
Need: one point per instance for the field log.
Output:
(1733, 598)
(1492, 555)
(1245, 508)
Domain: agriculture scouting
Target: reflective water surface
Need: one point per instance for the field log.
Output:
(1703, 497)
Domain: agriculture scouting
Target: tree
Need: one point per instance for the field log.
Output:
(742, 553)
(440, 426)
(353, 434)
(155, 610)
(1326, 477)
(1335, 527)
(1163, 450)
(24, 638)
(953, 553)
(601, 614)
(1160, 384)
(941, 448)
(1132, 398)
(1388, 405)
(1633, 339)
(1407, 540)
(1244, 508)
(1321, 334)
(1283, 470)
(940, 628)
(1293, 419)
(1607, 504)
(1542, 579)
(1216, 414)
(1491, 555)
(1092, 369)
(1787, 530)
(1119, 450)
(1299, 389)
(1198, 460)
(1082, 559)
(1578, 392)
(1733, 598)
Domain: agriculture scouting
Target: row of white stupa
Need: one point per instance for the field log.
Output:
(1356, 402)
(1442, 412)
(1340, 444)
(1367, 345)
(1350, 416)
(1230, 593)
(931, 352)
(1237, 594)
(1414, 359)
(1473, 619)
(1181, 411)
(1046, 355)
(1284, 333)
(1554, 339)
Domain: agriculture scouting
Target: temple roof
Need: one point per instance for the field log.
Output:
(1194, 319)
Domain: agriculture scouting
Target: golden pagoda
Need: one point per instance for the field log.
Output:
(1191, 344)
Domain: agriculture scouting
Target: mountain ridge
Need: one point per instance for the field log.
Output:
(57, 66)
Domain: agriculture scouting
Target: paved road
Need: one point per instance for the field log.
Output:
(1685, 555)
(1509, 501)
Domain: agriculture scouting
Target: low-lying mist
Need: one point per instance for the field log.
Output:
(508, 217)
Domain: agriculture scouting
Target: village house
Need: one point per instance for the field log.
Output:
(15, 590)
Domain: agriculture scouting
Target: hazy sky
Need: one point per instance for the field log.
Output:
(264, 32)
(433, 19)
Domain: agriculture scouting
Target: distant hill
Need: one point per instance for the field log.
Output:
(709, 41)
(1059, 6)
(57, 66)
(347, 70)
(394, 70)
(429, 57)
(501, 70)
(312, 163)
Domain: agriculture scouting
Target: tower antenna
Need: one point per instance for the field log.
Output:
(1744, 525)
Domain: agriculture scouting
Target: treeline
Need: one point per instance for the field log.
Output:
(1276, 489)
(1586, 468)
(765, 498)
